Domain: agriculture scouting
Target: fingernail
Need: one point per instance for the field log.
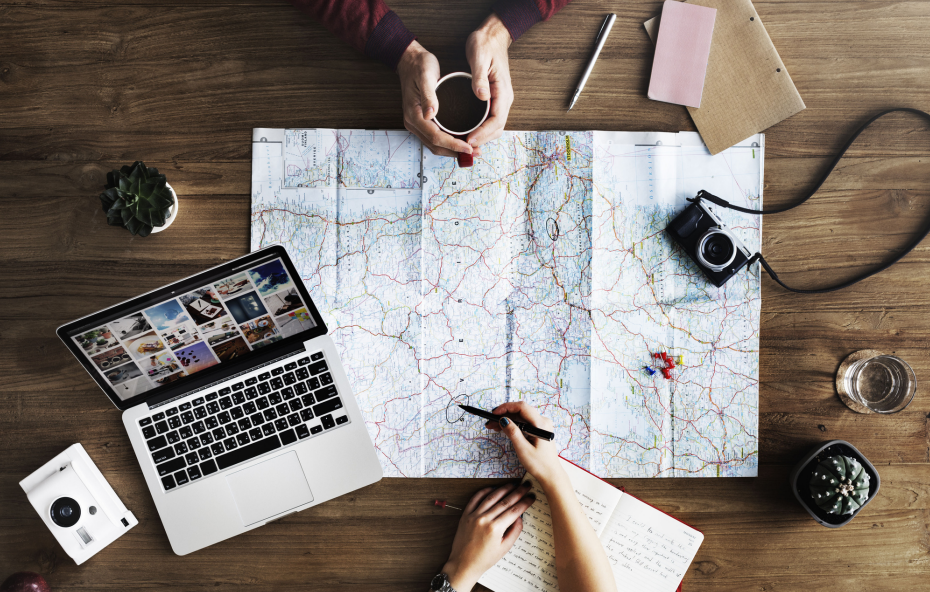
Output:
(526, 484)
(504, 422)
(473, 143)
(429, 113)
(532, 496)
(482, 91)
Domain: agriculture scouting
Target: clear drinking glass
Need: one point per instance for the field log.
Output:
(883, 384)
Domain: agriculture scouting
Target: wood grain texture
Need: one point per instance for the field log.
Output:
(86, 85)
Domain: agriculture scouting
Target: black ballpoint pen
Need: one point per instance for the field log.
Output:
(524, 427)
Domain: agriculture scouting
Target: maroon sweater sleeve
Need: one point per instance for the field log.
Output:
(367, 25)
(519, 15)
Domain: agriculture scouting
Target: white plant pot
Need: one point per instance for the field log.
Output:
(172, 215)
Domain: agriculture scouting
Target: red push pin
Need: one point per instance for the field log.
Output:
(668, 363)
(442, 504)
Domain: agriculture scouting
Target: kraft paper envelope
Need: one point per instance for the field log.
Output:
(747, 88)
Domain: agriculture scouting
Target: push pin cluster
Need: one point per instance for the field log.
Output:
(664, 363)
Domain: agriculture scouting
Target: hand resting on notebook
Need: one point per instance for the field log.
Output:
(492, 520)
(490, 524)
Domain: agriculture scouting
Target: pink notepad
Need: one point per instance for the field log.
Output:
(682, 50)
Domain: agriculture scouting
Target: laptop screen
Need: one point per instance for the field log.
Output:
(195, 327)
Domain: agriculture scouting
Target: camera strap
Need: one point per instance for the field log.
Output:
(758, 256)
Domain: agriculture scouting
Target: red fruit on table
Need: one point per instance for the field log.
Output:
(25, 581)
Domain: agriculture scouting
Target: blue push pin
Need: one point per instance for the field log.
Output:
(649, 370)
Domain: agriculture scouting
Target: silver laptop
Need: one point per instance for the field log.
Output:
(233, 397)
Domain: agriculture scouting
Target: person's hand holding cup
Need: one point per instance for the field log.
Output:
(419, 72)
(460, 111)
(458, 131)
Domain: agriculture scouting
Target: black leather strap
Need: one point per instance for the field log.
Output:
(758, 256)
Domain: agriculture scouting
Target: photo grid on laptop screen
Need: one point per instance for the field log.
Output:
(216, 323)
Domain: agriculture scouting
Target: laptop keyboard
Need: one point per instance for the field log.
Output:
(206, 434)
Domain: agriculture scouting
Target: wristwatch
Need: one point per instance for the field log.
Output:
(441, 584)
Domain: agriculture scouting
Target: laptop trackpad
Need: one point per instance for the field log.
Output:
(269, 488)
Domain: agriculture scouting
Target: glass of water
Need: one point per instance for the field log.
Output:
(883, 384)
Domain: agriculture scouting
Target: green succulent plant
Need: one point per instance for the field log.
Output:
(839, 485)
(137, 198)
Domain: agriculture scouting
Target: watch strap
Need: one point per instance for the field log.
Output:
(440, 583)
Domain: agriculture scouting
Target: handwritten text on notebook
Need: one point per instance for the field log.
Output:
(648, 549)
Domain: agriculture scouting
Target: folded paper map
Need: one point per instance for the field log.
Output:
(541, 274)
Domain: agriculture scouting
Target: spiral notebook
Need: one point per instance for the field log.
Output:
(649, 550)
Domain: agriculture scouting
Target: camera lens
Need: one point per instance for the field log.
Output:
(65, 512)
(716, 249)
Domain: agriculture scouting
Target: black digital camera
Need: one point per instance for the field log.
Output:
(709, 242)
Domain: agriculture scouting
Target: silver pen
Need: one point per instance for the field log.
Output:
(601, 38)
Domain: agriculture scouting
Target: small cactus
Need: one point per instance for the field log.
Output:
(839, 485)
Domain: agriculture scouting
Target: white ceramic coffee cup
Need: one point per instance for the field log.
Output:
(487, 108)
(464, 160)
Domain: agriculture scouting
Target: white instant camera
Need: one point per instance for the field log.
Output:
(77, 504)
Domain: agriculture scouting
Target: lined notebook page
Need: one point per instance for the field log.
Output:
(648, 549)
(530, 565)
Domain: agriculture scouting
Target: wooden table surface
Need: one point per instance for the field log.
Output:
(86, 86)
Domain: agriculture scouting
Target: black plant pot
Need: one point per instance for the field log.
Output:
(801, 477)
